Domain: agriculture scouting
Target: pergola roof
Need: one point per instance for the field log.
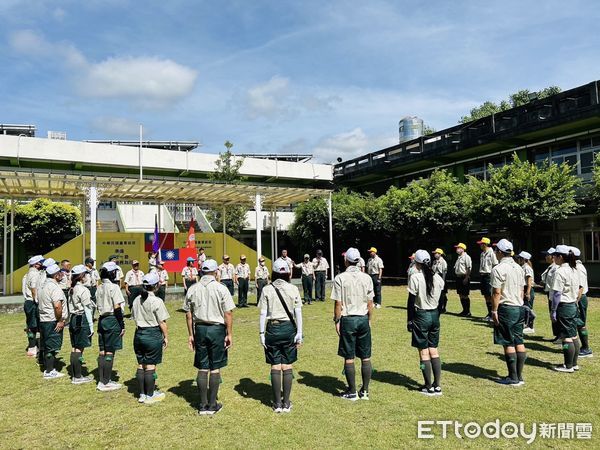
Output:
(33, 184)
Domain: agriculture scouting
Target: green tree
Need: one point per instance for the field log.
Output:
(519, 98)
(228, 172)
(520, 195)
(435, 205)
(428, 130)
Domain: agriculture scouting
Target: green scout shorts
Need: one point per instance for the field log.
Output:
(486, 285)
(566, 320)
(280, 345)
(109, 334)
(148, 345)
(210, 347)
(582, 306)
(31, 315)
(355, 337)
(79, 332)
(510, 330)
(426, 329)
(51, 340)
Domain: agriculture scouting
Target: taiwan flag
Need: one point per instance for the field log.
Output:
(176, 259)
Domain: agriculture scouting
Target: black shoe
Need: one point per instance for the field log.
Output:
(462, 313)
(350, 396)
(437, 390)
(203, 410)
(430, 392)
(212, 410)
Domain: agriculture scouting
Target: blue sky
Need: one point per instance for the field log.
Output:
(328, 78)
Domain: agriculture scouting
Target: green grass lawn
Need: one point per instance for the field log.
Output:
(38, 413)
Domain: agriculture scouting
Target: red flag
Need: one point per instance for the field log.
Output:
(191, 240)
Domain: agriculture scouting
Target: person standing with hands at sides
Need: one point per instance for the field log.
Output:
(547, 279)
(507, 312)
(201, 257)
(226, 274)
(462, 270)
(111, 326)
(280, 331)
(65, 283)
(308, 278)
(92, 278)
(30, 307)
(208, 306)
(487, 260)
(163, 283)
(529, 293)
(133, 283)
(289, 261)
(375, 271)
(353, 294)
(321, 266)
(261, 277)
(566, 287)
(440, 266)
(189, 274)
(151, 337)
(424, 291)
(52, 305)
(582, 304)
(81, 324)
(119, 275)
(242, 279)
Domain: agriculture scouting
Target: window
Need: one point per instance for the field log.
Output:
(578, 154)
(480, 169)
(591, 245)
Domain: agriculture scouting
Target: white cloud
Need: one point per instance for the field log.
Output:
(348, 145)
(116, 127)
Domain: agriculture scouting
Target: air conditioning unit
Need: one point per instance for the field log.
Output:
(60, 135)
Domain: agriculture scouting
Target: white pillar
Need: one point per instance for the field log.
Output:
(12, 246)
(83, 232)
(224, 232)
(93, 199)
(330, 213)
(272, 235)
(258, 211)
(140, 150)
(4, 291)
(160, 218)
(276, 251)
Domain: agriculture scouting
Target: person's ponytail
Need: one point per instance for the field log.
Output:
(428, 274)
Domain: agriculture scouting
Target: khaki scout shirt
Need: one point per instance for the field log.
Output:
(361, 263)
(583, 280)
(226, 271)
(507, 275)
(528, 272)
(134, 277)
(108, 297)
(487, 260)
(320, 264)
(548, 277)
(463, 265)
(418, 287)
(189, 273)
(242, 270)
(65, 283)
(211, 300)
(163, 277)
(80, 298)
(374, 264)
(354, 289)
(149, 313)
(91, 278)
(567, 282)
(308, 269)
(269, 301)
(30, 281)
(41, 280)
(261, 273)
(440, 266)
(50, 294)
(289, 261)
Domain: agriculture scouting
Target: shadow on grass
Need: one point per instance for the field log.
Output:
(325, 383)
(542, 348)
(187, 391)
(530, 361)
(249, 388)
(539, 338)
(396, 379)
(470, 370)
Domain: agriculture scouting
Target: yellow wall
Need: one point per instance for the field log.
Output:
(130, 246)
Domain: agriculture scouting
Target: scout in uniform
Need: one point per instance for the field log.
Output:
(53, 314)
(92, 278)
(189, 274)
(30, 307)
(152, 260)
(487, 260)
(424, 291)
(242, 279)
(133, 283)
(507, 312)
(462, 270)
(226, 274)
(151, 336)
(280, 328)
(201, 257)
(353, 294)
(375, 271)
(321, 266)
(547, 279)
(261, 277)
(209, 305)
(440, 266)
(585, 351)
(289, 261)
(163, 283)
(119, 275)
(111, 327)
(529, 293)
(308, 278)
(81, 323)
(65, 283)
(361, 264)
(565, 287)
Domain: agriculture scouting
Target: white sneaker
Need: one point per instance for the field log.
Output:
(82, 380)
(32, 352)
(576, 368)
(100, 386)
(142, 398)
(155, 398)
(564, 369)
(108, 387)
(377, 306)
(114, 386)
(53, 374)
(528, 330)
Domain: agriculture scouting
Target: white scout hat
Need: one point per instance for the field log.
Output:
(352, 255)
(53, 269)
(79, 269)
(210, 265)
(281, 266)
(35, 259)
(525, 255)
(151, 278)
(422, 257)
(48, 262)
(563, 249)
(550, 251)
(110, 266)
(505, 246)
(576, 251)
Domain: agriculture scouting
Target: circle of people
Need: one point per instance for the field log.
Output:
(60, 296)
